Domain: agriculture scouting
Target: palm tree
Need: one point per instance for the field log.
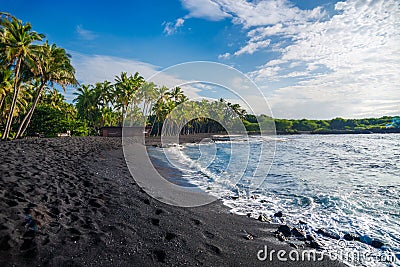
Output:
(84, 101)
(16, 41)
(177, 96)
(52, 65)
(103, 95)
(158, 107)
(55, 99)
(126, 92)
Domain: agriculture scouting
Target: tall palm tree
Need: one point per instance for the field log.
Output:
(16, 41)
(52, 65)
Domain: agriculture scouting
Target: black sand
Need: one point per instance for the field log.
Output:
(73, 202)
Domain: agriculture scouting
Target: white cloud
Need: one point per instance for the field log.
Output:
(171, 28)
(85, 34)
(252, 47)
(224, 56)
(265, 73)
(269, 12)
(206, 9)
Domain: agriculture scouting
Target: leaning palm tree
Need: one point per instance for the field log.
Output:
(52, 65)
(16, 41)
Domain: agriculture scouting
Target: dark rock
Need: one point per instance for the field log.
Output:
(314, 243)
(293, 245)
(263, 218)
(249, 237)
(328, 234)
(377, 243)
(300, 234)
(302, 222)
(351, 237)
(311, 238)
(278, 214)
(281, 237)
(285, 230)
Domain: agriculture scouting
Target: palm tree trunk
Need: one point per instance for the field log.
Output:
(14, 101)
(27, 119)
(2, 101)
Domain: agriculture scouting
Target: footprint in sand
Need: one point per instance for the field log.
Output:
(209, 234)
(155, 221)
(214, 249)
(196, 221)
(170, 236)
(159, 211)
(160, 255)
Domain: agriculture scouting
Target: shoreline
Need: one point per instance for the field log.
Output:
(196, 138)
(72, 201)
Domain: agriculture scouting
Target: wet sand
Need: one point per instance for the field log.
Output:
(73, 202)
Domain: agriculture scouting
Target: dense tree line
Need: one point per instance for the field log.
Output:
(337, 124)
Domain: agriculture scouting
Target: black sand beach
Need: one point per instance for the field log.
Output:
(73, 202)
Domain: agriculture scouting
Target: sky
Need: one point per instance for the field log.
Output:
(316, 59)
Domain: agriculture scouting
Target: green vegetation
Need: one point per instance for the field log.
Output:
(338, 125)
(31, 68)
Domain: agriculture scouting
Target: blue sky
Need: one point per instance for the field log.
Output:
(313, 59)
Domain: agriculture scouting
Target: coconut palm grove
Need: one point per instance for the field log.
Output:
(34, 73)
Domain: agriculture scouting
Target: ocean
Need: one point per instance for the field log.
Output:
(339, 183)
